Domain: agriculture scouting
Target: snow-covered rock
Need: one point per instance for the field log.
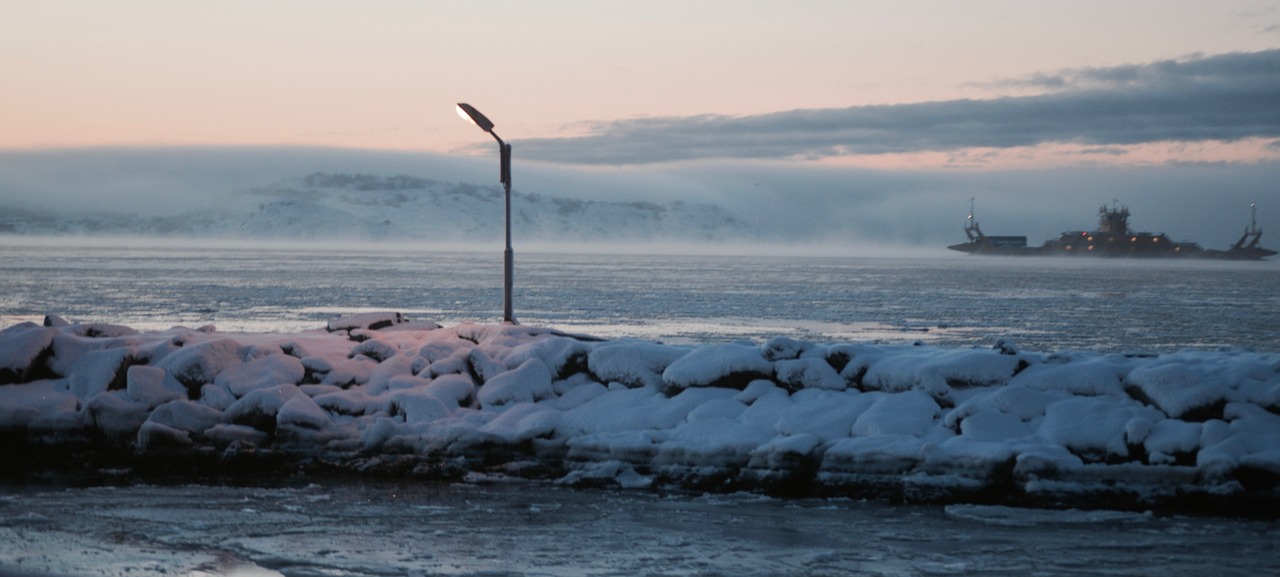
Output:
(730, 365)
(911, 421)
(527, 383)
(20, 348)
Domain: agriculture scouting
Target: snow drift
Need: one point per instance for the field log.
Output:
(378, 392)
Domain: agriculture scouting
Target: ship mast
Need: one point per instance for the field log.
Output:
(1251, 235)
(971, 229)
(1253, 225)
(1113, 221)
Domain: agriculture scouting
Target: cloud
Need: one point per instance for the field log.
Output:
(1227, 97)
(837, 206)
(172, 180)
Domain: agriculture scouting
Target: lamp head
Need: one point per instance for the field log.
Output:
(469, 113)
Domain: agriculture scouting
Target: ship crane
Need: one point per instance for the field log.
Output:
(971, 229)
(1251, 235)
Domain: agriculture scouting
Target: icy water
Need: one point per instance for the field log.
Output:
(379, 529)
(1039, 304)
(308, 527)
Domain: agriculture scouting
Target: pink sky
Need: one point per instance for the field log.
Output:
(386, 74)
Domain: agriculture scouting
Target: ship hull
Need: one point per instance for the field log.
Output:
(1112, 239)
(1115, 252)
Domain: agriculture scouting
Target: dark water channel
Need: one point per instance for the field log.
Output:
(520, 529)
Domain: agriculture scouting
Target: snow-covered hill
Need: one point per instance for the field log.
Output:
(364, 206)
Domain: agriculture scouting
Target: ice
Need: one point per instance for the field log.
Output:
(881, 454)
(420, 528)
(1021, 517)
(849, 416)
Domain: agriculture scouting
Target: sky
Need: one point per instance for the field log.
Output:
(820, 101)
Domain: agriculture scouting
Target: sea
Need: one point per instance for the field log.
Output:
(1036, 303)
(303, 527)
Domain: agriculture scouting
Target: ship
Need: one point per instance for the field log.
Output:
(1112, 238)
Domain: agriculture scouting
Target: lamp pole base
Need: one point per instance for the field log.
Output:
(508, 268)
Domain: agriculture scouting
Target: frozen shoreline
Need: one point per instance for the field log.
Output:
(1195, 431)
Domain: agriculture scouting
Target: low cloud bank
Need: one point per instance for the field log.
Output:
(787, 202)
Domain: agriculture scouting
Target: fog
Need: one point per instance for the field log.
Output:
(172, 180)
(809, 204)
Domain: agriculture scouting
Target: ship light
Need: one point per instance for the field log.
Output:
(1155, 239)
(1090, 247)
(1134, 239)
(1090, 239)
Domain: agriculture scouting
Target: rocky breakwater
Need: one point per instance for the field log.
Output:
(1194, 431)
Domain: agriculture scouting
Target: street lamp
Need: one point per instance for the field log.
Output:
(469, 113)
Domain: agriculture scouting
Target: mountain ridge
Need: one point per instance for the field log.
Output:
(373, 207)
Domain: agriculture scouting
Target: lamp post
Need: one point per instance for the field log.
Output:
(469, 113)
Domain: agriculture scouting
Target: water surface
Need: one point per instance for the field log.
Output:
(1038, 303)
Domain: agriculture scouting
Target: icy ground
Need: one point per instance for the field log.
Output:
(378, 393)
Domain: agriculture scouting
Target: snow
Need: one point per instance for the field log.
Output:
(636, 413)
(911, 413)
(146, 385)
(528, 383)
(19, 347)
(717, 365)
(1094, 427)
(265, 371)
(809, 373)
